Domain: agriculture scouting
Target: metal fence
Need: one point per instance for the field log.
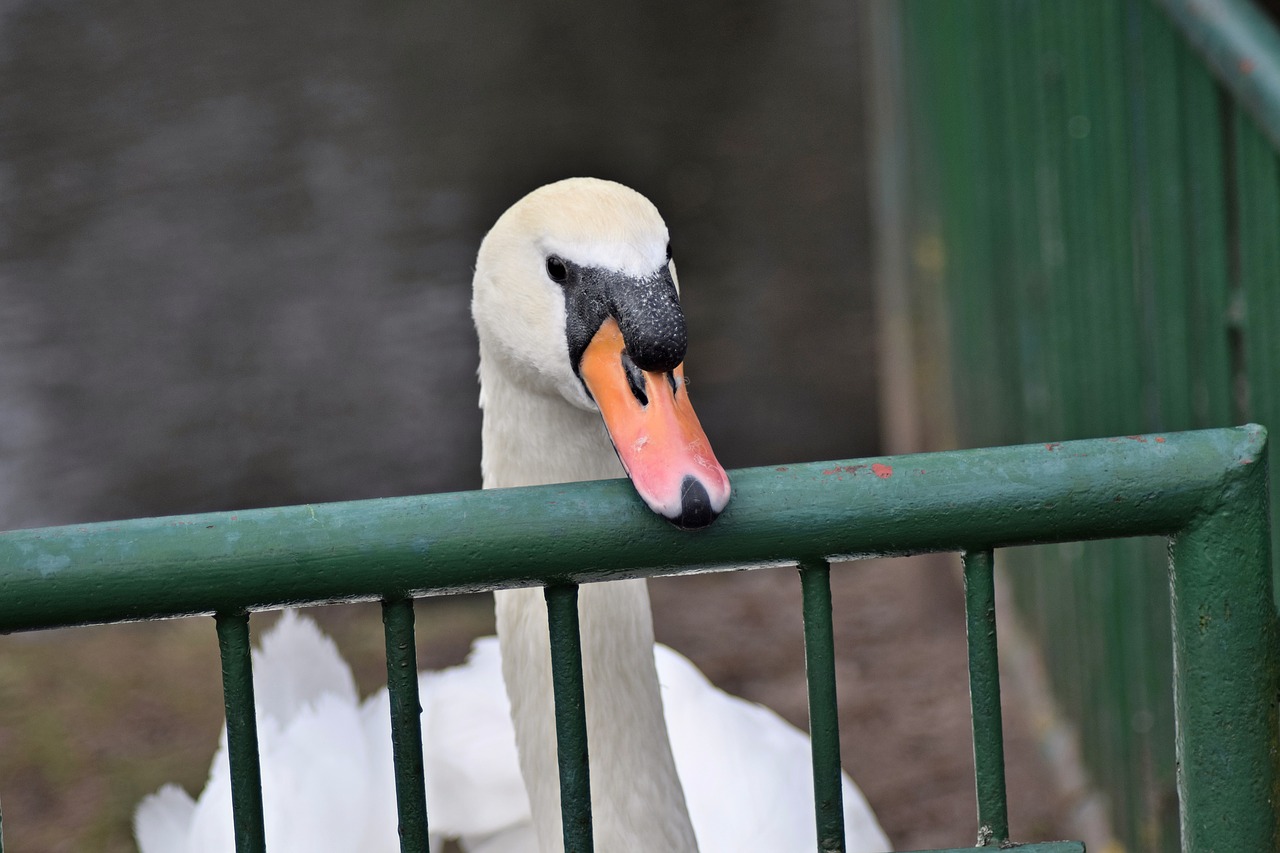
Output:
(1206, 492)
(1080, 211)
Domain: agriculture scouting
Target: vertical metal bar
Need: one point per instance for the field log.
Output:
(571, 717)
(242, 731)
(406, 723)
(1226, 663)
(984, 694)
(824, 714)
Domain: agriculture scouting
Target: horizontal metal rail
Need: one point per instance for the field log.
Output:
(1205, 490)
(473, 541)
(1242, 47)
(1042, 847)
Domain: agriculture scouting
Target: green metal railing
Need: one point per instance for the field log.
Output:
(1079, 212)
(1206, 492)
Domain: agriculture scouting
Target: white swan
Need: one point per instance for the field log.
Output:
(581, 344)
(327, 769)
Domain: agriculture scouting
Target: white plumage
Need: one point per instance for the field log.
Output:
(327, 773)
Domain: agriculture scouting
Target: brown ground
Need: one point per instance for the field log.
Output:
(91, 720)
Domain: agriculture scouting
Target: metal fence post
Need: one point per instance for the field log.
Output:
(571, 717)
(242, 731)
(1226, 673)
(984, 695)
(406, 723)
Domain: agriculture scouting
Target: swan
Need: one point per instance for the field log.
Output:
(582, 342)
(745, 770)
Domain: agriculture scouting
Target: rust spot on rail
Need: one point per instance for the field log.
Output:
(881, 470)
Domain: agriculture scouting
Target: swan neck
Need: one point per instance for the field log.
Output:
(637, 801)
(532, 436)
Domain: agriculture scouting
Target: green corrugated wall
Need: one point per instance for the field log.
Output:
(1080, 237)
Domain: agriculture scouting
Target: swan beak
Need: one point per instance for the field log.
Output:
(655, 432)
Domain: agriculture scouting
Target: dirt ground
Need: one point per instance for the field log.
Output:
(93, 719)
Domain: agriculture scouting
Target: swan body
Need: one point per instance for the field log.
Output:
(315, 758)
(328, 779)
(582, 343)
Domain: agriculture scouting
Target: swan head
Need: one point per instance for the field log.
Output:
(575, 296)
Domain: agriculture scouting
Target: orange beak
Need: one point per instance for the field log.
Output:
(655, 432)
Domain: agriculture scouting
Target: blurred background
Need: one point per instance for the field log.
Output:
(235, 252)
(236, 244)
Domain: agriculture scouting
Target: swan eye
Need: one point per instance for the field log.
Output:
(556, 269)
(668, 251)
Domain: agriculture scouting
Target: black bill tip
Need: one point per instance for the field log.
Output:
(695, 506)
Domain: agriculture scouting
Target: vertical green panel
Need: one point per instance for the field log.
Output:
(957, 105)
(923, 218)
(1202, 125)
(406, 723)
(999, 368)
(824, 712)
(571, 717)
(953, 237)
(1072, 166)
(1004, 153)
(1257, 247)
(1161, 256)
(242, 732)
(1020, 146)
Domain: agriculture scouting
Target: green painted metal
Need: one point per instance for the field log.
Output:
(1041, 847)
(824, 711)
(406, 723)
(1081, 234)
(575, 533)
(984, 694)
(571, 717)
(1257, 256)
(1240, 43)
(1222, 609)
(242, 731)
(472, 541)
(1205, 489)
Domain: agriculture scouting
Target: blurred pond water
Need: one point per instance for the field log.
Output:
(236, 239)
